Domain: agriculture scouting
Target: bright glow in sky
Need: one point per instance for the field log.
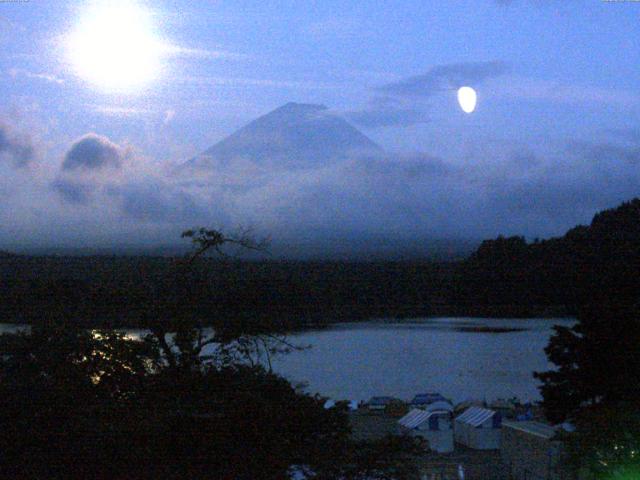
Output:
(103, 99)
(114, 47)
(467, 98)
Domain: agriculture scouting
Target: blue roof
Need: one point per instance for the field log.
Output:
(440, 406)
(380, 400)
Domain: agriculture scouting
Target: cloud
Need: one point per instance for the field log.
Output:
(558, 192)
(444, 77)
(415, 166)
(515, 87)
(168, 116)
(158, 201)
(120, 111)
(18, 149)
(97, 173)
(607, 153)
(258, 82)
(93, 152)
(386, 112)
(47, 77)
(395, 104)
(517, 190)
(201, 53)
(72, 191)
(91, 163)
(420, 196)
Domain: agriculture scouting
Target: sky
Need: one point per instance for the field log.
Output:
(101, 102)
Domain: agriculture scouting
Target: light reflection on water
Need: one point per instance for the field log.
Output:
(448, 355)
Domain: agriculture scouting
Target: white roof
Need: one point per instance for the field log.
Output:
(414, 418)
(534, 428)
(475, 416)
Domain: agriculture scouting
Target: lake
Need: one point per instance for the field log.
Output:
(461, 358)
(453, 356)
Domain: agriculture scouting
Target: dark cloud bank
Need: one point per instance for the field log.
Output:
(398, 199)
(389, 201)
(91, 162)
(93, 152)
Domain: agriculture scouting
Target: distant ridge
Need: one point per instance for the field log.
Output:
(589, 262)
(294, 135)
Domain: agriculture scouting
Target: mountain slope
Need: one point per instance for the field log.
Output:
(294, 135)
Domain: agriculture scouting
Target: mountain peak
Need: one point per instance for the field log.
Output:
(294, 135)
(295, 107)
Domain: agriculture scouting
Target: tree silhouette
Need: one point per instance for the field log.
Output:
(81, 403)
(595, 386)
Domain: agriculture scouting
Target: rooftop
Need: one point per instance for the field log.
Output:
(429, 397)
(534, 428)
(475, 416)
(414, 418)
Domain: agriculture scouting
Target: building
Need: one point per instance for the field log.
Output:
(396, 408)
(423, 399)
(435, 427)
(506, 408)
(440, 405)
(379, 403)
(462, 406)
(478, 428)
(529, 451)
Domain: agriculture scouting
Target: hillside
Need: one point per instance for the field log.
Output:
(588, 262)
(503, 277)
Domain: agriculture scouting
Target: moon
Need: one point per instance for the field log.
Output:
(467, 98)
(114, 47)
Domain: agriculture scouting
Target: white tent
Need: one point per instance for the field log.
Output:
(478, 428)
(435, 427)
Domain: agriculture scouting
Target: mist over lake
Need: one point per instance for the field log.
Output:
(459, 357)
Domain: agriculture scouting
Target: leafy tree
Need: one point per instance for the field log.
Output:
(598, 260)
(606, 442)
(598, 361)
(595, 386)
(60, 386)
(158, 407)
(190, 337)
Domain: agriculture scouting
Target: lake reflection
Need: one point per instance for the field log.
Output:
(459, 357)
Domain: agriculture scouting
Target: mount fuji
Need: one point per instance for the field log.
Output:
(294, 135)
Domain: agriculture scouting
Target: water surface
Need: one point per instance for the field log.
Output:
(448, 355)
(462, 358)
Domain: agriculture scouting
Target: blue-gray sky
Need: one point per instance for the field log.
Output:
(85, 160)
